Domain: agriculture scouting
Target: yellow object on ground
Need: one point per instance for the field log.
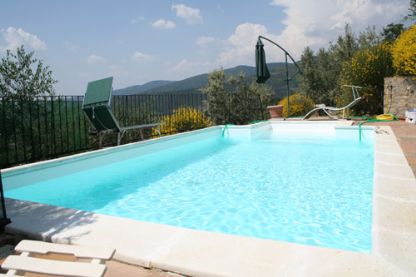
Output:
(386, 116)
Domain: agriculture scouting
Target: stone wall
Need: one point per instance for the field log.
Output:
(399, 95)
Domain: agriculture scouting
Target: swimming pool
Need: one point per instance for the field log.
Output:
(296, 183)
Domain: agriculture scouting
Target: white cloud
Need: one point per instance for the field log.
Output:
(204, 41)
(191, 15)
(140, 56)
(163, 24)
(95, 59)
(309, 23)
(315, 23)
(241, 44)
(14, 37)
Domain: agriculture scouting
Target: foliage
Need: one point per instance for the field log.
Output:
(311, 80)
(411, 16)
(48, 127)
(392, 31)
(404, 52)
(322, 71)
(217, 97)
(354, 60)
(23, 76)
(184, 119)
(299, 103)
(42, 128)
(234, 100)
(345, 46)
(368, 68)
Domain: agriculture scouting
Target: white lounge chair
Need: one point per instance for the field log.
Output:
(25, 262)
(328, 110)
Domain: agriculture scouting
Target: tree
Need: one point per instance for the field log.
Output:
(328, 76)
(345, 47)
(368, 38)
(404, 52)
(411, 16)
(391, 32)
(368, 68)
(217, 97)
(235, 100)
(310, 82)
(321, 72)
(23, 76)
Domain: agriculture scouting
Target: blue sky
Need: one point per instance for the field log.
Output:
(141, 41)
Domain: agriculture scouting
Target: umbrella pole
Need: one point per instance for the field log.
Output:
(287, 86)
(287, 69)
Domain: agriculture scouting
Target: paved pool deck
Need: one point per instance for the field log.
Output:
(406, 136)
(201, 253)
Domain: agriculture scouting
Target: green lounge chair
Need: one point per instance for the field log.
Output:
(97, 108)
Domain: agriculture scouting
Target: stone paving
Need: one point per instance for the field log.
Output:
(406, 135)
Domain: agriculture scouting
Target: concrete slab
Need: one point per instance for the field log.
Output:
(396, 188)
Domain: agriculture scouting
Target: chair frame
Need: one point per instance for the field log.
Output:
(356, 98)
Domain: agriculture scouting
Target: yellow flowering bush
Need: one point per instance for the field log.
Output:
(404, 52)
(183, 119)
(368, 68)
(300, 104)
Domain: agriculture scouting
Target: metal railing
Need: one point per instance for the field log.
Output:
(51, 126)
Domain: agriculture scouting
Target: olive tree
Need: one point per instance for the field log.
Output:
(23, 76)
(235, 100)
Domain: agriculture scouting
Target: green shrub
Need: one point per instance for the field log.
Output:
(300, 104)
(236, 100)
(367, 68)
(184, 119)
(404, 52)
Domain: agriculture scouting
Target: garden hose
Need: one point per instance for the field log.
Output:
(386, 116)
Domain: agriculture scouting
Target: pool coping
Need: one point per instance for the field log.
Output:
(203, 253)
(102, 151)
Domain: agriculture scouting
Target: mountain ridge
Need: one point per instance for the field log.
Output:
(193, 84)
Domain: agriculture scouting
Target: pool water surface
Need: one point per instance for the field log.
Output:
(314, 191)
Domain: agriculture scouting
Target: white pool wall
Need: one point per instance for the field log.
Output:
(36, 172)
(296, 129)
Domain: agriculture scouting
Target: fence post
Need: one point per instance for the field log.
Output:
(5, 132)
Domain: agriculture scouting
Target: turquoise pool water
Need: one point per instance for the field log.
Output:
(309, 191)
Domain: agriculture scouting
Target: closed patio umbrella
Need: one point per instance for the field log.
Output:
(262, 71)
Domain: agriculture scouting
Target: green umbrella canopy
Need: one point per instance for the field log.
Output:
(261, 67)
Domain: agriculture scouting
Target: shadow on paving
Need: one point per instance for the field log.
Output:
(43, 222)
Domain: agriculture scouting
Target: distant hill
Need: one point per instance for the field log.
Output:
(137, 89)
(195, 83)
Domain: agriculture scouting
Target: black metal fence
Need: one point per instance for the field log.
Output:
(53, 126)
